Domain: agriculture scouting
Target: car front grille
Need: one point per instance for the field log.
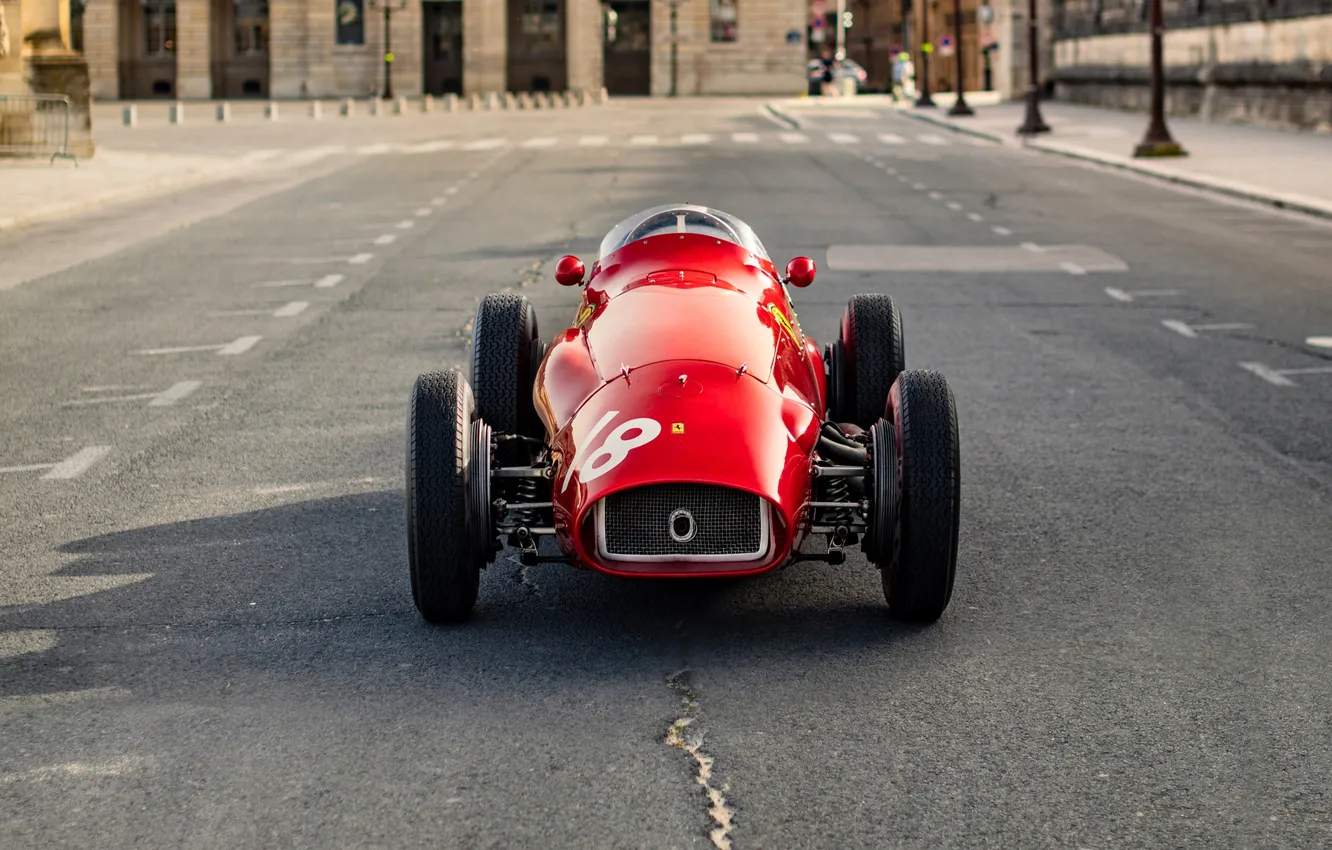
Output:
(710, 523)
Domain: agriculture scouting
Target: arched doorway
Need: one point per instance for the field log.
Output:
(442, 44)
(240, 48)
(536, 46)
(147, 66)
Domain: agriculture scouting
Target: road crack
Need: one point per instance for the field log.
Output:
(684, 735)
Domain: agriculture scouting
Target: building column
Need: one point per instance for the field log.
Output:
(288, 36)
(583, 21)
(101, 47)
(11, 64)
(485, 45)
(194, 73)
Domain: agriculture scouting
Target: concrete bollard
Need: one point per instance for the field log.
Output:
(316, 110)
(400, 106)
(474, 101)
(223, 113)
(176, 113)
(510, 102)
(524, 100)
(603, 96)
(450, 102)
(348, 108)
(129, 116)
(427, 104)
(271, 110)
(492, 100)
(374, 107)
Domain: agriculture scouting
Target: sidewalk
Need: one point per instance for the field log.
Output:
(1283, 168)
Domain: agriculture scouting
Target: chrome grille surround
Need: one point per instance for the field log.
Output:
(731, 525)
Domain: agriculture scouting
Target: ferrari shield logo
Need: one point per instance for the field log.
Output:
(677, 427)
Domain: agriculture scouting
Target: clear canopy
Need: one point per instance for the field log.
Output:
(683, 218)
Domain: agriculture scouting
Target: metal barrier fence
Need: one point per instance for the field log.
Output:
(35, 125)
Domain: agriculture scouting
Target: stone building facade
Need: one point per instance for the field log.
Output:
(331, 48)
(1263, 61)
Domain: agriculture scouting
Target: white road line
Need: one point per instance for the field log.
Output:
(423, 212)
(429, 147)
(695, 139)
(183, 349)
(276, 283)
(405, 224)
(935, 196)
(1118, 294)
(975, 216)
(452, 190)
(312, 155)
(286, 311)
(891, 139)
(108, 399)
(360, 259)
(32, 467)
(745, 138)
(261, 155)
(1319, 341)
(484, 145)
(77, 463)
(843, 138)
(1032, 247)
(1224, 326)
(1002, 231)
(374, 150)
(892, 171)
(1073, 268)
(919, 187)
(793, 138)
(438, 201)
(107, 388)
(643, 140)
(328, 281)
(240, 346)
(1267, 373)
(1180, 328)
(592, 141)
(175, 393)
(1311, 370)
(954, 206)
(540, 142)
(1123, 295)
(386, 239)
(932, 139)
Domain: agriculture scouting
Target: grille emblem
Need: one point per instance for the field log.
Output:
(682, 526)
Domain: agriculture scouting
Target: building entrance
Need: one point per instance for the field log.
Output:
(240, 48)
(536, 46)
(441, 52)
(147, 66)
(627, 47)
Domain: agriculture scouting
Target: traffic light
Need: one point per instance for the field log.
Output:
(847, 20)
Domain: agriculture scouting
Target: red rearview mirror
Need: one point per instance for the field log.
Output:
(569, 271)
(800, 272)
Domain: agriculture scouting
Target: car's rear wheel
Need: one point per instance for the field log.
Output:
(918, 583)
(442, 458)
(506, 351)
(866, 359)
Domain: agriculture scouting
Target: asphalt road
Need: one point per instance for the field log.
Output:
(206, 632)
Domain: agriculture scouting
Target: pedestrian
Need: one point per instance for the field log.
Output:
(908, 76)
(899, 64)
(826, 66)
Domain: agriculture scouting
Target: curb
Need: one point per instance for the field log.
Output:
(1206, 184)
(781, 116)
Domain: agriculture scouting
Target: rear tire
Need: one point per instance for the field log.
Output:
(506, 351)
(445, 569)
(919, 584)
(868, 356)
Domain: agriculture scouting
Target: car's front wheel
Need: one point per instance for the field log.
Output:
(918, 582)
(441, 550)
(866, 359)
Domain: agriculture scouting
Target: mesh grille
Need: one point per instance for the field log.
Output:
(726, 521)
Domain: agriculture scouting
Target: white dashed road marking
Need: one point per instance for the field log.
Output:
(891, 139)
(278, 283)
(484, 145)
(452, 190)
(695, 139)
(1319, 341)
(643, 140)
(1130, 295)
(328, 281)
(1267, 373)
(386, 239)
(975, 216)
(745, 138)
(175, 393)
(843, 138)
(794, 138)
(423, 211)
(919, 187)
(931, 139)
(77, 463)
(592, 141)
(1002, 231)
(405, 224)
(1073, 268)
(286, 311)
(1191, 331)
(954, 206)
(240, 345)
(165, 398)
(935, 196)
(360, 259)
(540, 142)
(373, 150)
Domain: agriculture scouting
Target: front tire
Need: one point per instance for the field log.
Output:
(868, 356)
(445, 569)
(506, 351)
(919, 584)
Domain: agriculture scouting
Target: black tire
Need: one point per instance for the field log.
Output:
(506, 351)
(919, 584)
(868, 357)
(445, 570)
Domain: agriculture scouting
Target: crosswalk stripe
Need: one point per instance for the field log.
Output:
(262, 155)
(931, 139)
(592, 141)
(794, 138)
(643, 140)
(374, 150)
(540, 142)
(484, 144)
(745, 138)
(429, 147)
(695, 138)
(843, 138)
(891, 139)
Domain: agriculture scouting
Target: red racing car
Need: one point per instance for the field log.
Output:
(683, 426)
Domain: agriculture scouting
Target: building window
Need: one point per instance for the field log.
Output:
(351, 21)
(251, 27)
(723, 20)
(159, 28)
(541, 26)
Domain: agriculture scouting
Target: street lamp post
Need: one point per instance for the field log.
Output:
(388, 44)
(925, 48)
(675, 49)
(960, 106)
(1158, 142)
(1033, 123)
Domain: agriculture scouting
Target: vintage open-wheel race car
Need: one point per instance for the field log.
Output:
(683, 426)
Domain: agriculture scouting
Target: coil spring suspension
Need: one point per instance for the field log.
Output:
(526, 491)
(838, 490)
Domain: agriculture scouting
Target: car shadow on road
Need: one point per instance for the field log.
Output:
(316, 592)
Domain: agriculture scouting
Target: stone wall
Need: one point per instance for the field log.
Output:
(760, 61)
(583, 34)
(485, 45)
(1262, 71)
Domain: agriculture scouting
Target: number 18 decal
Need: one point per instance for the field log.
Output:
(614, 450)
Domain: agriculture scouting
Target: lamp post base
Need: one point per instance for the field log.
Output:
(961, 107)
(925, 101)
(1033, 124)
(1157, 148)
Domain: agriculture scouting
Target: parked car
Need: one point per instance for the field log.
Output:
(845, 68)
(683, 426)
